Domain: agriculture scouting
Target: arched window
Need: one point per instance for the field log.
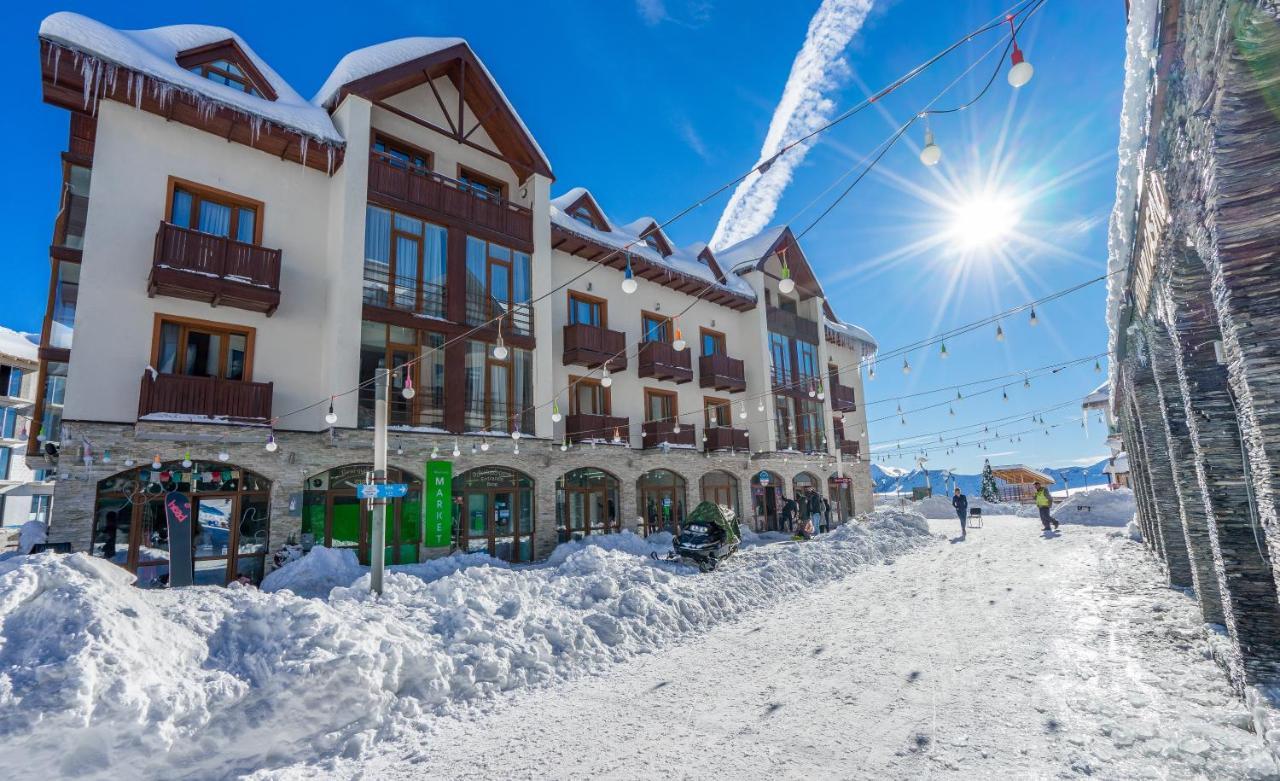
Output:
(802, 482)
(722, 488)
(660, 499)
(334, 517)
(231, 507)
(587, 503)
(493, 513)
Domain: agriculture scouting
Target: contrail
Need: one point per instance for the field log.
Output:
(818, 69)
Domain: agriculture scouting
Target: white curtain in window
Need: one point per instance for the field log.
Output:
(377, 238)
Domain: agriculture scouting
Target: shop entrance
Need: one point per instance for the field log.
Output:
(766, 500)
(587, 503)
(839, 489)
(494, 513)
(660, 494)
(334, 517)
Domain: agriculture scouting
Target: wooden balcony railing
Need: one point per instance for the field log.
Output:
(663, 362)
(791, 324)
(215, 269)
(842, 398)
(447, 197)
(850, 447)
(657, 432)
(582, 427)
(206, 396)
(592, 345)
(722, 373)
(725, 438)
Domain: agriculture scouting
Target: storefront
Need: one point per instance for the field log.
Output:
(586, 503)
(766, 501)
(839, 490)
(722, 488)
(802, 482)
(230, 536)
(334, 517)
(493, 513)
(660, 499)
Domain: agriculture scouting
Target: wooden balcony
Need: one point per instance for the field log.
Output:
(781, 321)
(205, 396)
(725, 438)
(658, 431)
(722, 373)
(842, 398)
(215, 269)
(599, 427)
(850, 447)
(442, 197)
(661, 361)
(592, 345)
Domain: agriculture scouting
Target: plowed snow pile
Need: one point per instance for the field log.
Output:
(98, 678)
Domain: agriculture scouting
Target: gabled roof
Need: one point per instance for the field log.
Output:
(385, 69)
(646, 227)
(230, 51)
(753, 253)
(17, 346)
(1011, 472)
(579, 197)
(702, 251)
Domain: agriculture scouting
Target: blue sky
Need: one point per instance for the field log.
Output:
(652, 104)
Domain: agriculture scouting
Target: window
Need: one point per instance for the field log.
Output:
(780, 355)
(226, 72)
(784, 421)
(401, 155)
(712, 343)
(656, 245)
(405, 263)
(40, 504)
(199, 349)
(391, 346)
(210, 211)
(69, 228)
(717, 413)
(787, 304)
(659, 405)
(498, 283)
(5, 456)
(62, 314)
(8, 423)
(583, 215)
(49, 406)
(655, 328)
(479, 185)
(10, 381)
(584, 310)
(498, 393)
(806, 361)
(589, 397)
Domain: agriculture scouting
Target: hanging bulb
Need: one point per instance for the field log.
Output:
(676, 428)
(484, 444)
(155, 462)
(959, 396)
(1026, 382)
(400, 448)
(616, 437)
(555, 411)
(1097, 367)
(515, 448)
(904, 421)
(812, 391)
(500, 350)
(456, 451)
(516, 435)
(331, 417)
(605, 379)
(899, 408)
(129, 462)
(786, 285)
(999, 333)
(1005, 394)
(906, 367)
(1021, 71)
(760, 406)
(564, 446)
(679, 343)
(931, 153)
(435, 452)
(271, 443)
(821, 393)
(186, 460)
(951, 411)
(106, 456)
(629, 283)
(1034, 320)
(943, 353)
(742, 410)
(473, 448)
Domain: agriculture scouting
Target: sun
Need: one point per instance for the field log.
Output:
(983, 220)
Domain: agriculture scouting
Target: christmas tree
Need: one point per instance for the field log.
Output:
(989, 490)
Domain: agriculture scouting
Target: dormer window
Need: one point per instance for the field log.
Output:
(654, 244)
(226, 63)
(583, 215)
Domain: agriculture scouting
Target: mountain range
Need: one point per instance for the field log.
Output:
(890, 479)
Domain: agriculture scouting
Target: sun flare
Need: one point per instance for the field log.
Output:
(983, 219)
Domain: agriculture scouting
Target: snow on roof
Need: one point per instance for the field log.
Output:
(622, 238)
(1121, 465)
(1035, 473)
(852, 331)
(636, 227)
(382, 56)
(17, 345)
(749, 252)
(1098, 396)
(154, 53)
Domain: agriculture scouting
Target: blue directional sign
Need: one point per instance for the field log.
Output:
(382, 491)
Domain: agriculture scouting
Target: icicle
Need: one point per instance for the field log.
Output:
(303, 148)
(329, 152)
(87, 72)
(137, 99)
(57, 58)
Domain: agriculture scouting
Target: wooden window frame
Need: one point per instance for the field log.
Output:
(228, 50)
(413, 149)
(484, 179)
(710, 403)
(64, 205)
(223, 197)
(673, 396)
(719, 338)
(223, 329)
(595, 217)
(644, 331)
(607, 398)
(586, 298)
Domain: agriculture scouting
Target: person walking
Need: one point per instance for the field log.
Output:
(1043, 502)
(826, 514)
(788, 518)
(814, 504)
(961, 503)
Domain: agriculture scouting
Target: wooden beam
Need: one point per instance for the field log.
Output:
(431, 83)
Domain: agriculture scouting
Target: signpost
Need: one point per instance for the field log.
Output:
(378, 543)
(437, 528)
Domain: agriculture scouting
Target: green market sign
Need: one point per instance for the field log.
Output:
(438, 504)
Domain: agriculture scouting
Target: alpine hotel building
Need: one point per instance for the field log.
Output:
(231, 263)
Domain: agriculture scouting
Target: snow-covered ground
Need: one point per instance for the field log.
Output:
(1009, 655)
(1094, 507)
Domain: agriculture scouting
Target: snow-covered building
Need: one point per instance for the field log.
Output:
(1194, 305)
(251, 258)
(26, 485)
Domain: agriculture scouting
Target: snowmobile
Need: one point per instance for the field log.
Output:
(709, 536)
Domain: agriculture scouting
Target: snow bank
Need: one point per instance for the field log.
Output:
(31, 534)
(317, 573)
(96, 676)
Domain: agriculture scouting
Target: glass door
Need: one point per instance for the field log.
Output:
(504, 529)
(151, 544)
(215, 517)
(476, 523)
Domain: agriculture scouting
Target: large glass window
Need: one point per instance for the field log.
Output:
(588, 397)
(75, 206)
(655, 328)
(334, 517)
(718, 412)
(198, 350)
(480, 185)
(587, 503)
(8, 423)
(806, 361)
(402, 155)
(498, 285)
(50, 402)
(214, 213)
(494, 513)
(226, 72)
(722, 488)
(499, 393)
(10, 381)
(405, 264)
(5, 456)
(780, 355)
(660, 494)
(712, 343)
(659, 405)
(66, 292)
(394, 346)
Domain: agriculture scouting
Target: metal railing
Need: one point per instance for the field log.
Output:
(409, 294)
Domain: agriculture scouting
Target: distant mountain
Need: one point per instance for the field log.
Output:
(889, 479)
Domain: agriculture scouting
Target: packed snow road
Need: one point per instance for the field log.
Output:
(1006, 655)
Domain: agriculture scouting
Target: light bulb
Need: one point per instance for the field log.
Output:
(812, 392)
(563, 447)
(679, 344)
(186, 461)
(871, 374)
(331, 417)
(106, 456)
(271, 443)
(1034, 320)
(224, 456)
(742, 410)
(999, 333)
(485, 446)
(155, 462)
(616, 437)
(500, 350)
(786, 285)
(473, 448)
(931, 153)
(1097, 367)
(906, 367)
(555, 412)
(456, 451)
(629, 283)
(605, 379)
(1021, 72)
(676, 428)
(1005, 394)
(760, 407)
(128, 462)
(408, 392)
(435, 452)
(516, 435)
(515, 449)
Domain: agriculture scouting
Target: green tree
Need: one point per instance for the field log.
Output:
(990, 491)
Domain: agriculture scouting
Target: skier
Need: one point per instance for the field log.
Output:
(961, 503)
(1043, 502)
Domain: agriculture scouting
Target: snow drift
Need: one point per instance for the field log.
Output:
(96, 676)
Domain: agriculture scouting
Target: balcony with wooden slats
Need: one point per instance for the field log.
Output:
(850, 447)
(656, 432)
(439, 197)
(593, 345)
(661, 361)
(725, 438)
(722, 373)
(790, 324)
(209, 397)
(214, 269)
(842, 398)
(583, 427)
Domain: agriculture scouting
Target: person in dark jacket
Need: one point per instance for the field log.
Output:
(813, 504)
(826, 514)
(961, 503)
(787, 520)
